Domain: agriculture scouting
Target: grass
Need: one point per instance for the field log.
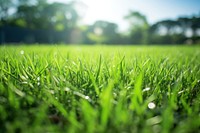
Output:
(100, 89)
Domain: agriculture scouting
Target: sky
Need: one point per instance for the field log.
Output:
(154, 10)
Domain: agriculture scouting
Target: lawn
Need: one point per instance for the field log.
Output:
(97, 89)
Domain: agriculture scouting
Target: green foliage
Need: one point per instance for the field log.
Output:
(103, 32)
(99, 89)
(138, 27)
(39, 21)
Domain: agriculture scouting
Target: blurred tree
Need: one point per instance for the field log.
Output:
(40, 21)
(184, 23)
(168, 25)
(103, 32)
(56, 20)
(44, 16)
(195, 25)
(5, 6)
(136, 19)
(166, 32)
(138, 27)
(27, 2)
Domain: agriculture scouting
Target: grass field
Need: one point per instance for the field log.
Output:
(100, 89)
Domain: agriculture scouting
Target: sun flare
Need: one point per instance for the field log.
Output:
(97, 10)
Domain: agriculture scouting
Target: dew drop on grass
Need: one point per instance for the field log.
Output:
(38, 79)
(66, 89)
(181, 92)
(151, 105)
(87, 97)
(22, 52)
(146, 89)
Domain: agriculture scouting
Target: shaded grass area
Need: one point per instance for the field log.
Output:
(100, 89)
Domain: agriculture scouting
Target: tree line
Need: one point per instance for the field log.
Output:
(37, 21)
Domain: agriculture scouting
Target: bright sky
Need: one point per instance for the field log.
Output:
(154, 10)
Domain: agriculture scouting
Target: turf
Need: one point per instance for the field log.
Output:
(100, 89)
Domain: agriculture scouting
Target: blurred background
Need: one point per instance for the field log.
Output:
(100, 21)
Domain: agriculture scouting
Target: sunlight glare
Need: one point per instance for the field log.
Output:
(98, 10)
